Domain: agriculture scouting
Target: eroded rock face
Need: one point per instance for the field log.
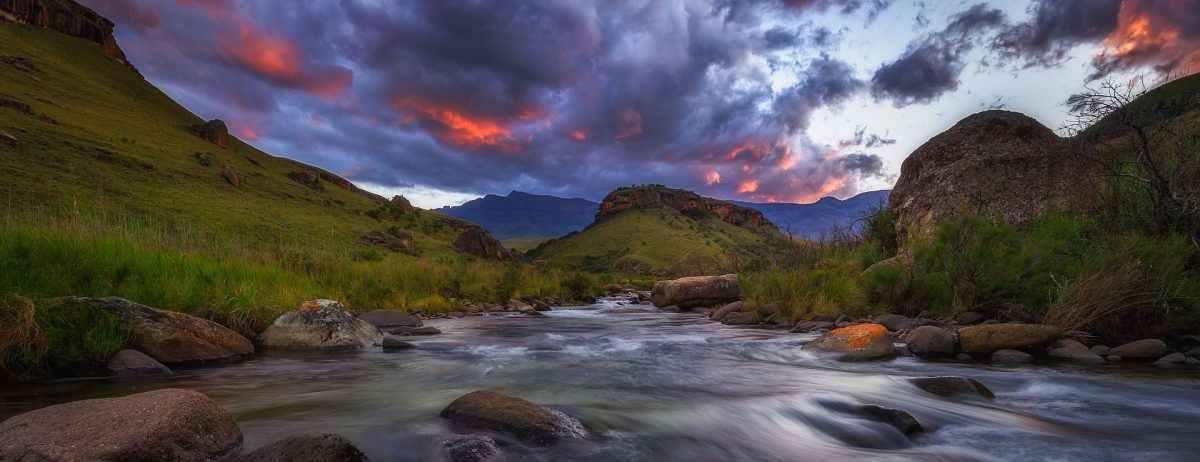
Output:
(214, 131)
(307, 447)
(685, 202)
(68, 17)
(476, 241)
(170, 337)
(308, 178)
(985, 339)
(161, 425)
(998, 162)
(861, 342)
(696, 291)
(525, 420)
(320, 324)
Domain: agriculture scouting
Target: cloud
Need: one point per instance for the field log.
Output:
(1163, 35)
(931, 65)
(1054, 28)
(129, 14)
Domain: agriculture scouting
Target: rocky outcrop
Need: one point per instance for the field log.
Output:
(167, 336)
(214, 131)
(161, 425)
(308, 178)
(686, 202)
(391, 318)
(319, 324)
(525, 420)
(696, 291)
(987, 338)
(231, 176)
(392, 239)
(129, 363)
(861, 342)
(68, 17)
(401, 203)
(476, 241)
(995, 162)
(307, 447)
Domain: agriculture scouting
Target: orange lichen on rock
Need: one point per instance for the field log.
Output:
(861, 335)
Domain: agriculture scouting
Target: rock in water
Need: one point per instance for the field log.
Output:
(697, 291)
(950, 386)
(1141, 350)
(393, 343)
(426, 330)
(942, 177)
(893, 322)
(527, 421)
(320, 324)
(903, 421)
(391, 318)
(472, 448)
(1071, 350)
(985, 339)
(742, 318)
(861, 342)
(127, 363)
(1173, 359)
(170, 337)
(1011, 357)
(720, 314)
(307, 447)
(931, 341)
(161, 425)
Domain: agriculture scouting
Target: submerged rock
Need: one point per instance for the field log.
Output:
(393, 343)
(696, 291)
(307, 447)
(1142, 350)
(988, 338)
(161, 425)
(128, 363)
(427, 330)
(951, 386)
(931, 341)
(170, 337)
(391, 318)
(903, 421)
(472, 448)
(525, 420)
(320, 324)
(860, 342)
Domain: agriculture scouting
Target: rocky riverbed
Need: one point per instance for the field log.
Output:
(650, 385)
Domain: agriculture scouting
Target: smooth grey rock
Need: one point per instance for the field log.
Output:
(320, 324)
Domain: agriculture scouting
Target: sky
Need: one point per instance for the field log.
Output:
(769, 100)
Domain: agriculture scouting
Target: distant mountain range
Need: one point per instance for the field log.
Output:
(531, 216)
(524, 215)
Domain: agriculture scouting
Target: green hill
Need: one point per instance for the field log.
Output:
(666, 232)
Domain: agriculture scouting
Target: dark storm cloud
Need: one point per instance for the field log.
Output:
(128, 13)
(862, 139)
(828, 82)
(930, 66)
(1163, 35)
(862, 164)
(1055, 27)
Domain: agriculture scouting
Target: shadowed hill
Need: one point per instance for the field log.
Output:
(524, 215)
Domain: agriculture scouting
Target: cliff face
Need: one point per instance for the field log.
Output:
(65, 16)
(686, 202)
(995, 162)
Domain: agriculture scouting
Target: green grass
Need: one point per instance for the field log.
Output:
(524, 244)
(656, 241)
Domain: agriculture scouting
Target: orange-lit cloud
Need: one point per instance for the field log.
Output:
(247, 131)
(712, 177)
(579, 135)
(270, 56)
(1149, 33)
(629, 125)
(458, 128)
(747, 186)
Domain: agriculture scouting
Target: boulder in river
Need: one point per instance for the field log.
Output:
(1073, 351)
(170, 337)
(903, 421)
(696, 291)
(809, 326)
(393, 343)
(720, 314)
(861, 342)
(1141, 350)
(893, 322)
(128, 363)
(1171, 360)
(426, 330)
(307, 447)
(525, 420)
(951, 386)
(391, 318)
(1011, 357)
(931, 341)
(161, 425)
(472, 448)
(742, 318)
(985, 339)
(320, 324)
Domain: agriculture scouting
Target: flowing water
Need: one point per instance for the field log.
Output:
(676, 387)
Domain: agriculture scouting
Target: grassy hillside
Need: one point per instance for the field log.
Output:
(657, 241)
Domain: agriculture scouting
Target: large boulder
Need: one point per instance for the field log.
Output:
(476, 241)
(860, 342)
(893, 322)
(472, 448)
(161, 425)
(401, 203)
(214, 131)
(1073, 351)
(719, 314)
(320, 324)
(985, 339)
(931, 341)
(527, 421)
(942, 178)
(696, 291)
(231, 176)
(1141, 350)
(391, 318)
(169, 337)
(128, 363)
(307, 447)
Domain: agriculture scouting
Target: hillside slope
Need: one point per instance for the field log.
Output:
(88, 133)
(522, 215)
(666, 232)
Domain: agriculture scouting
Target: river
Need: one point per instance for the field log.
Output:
(676, 387)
